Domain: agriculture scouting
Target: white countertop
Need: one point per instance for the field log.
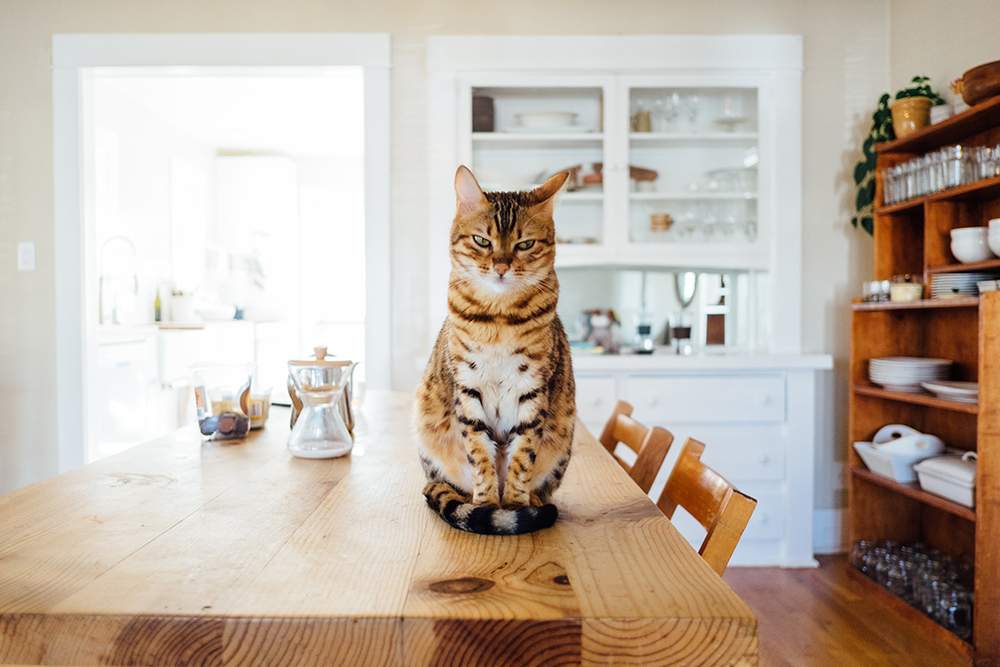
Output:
(664, 360)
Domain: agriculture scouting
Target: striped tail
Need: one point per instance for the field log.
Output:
(455, 508)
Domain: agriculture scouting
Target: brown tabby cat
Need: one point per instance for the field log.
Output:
(495, 409)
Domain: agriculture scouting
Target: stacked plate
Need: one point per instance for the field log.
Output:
(947, 285)
(906, 373)
(963, 392)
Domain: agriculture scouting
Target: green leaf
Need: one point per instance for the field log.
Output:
(864, 199)
(860, 172)
(868, 223)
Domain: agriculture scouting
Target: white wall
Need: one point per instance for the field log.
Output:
(940, 41)
(847, 67)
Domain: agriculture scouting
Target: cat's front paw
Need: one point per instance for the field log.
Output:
(513, 499)
(486, 499)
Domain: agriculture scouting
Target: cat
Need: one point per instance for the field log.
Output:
(496, 408)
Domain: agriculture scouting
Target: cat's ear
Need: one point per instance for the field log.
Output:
(470, 196)
(548, 194)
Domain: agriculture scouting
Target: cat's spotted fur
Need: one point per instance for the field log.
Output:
(495, 409)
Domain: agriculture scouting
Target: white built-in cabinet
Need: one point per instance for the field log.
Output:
(717, 121)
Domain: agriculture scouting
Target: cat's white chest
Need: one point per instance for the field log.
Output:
(501, 378)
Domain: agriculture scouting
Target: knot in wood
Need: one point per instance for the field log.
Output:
(463, 585)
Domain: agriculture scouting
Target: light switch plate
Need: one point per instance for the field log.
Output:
(26, 256)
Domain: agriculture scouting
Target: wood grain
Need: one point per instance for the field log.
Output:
(183, 552)
(987, 609)
(824, 617)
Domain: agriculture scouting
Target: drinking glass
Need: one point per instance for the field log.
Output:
(953, 166)
(930, 598)
(955, 611)
(860, 552)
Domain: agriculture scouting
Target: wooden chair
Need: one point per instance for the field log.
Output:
(650, 444)
(721, 509)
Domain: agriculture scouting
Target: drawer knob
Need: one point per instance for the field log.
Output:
(762, 518)
(596, 400)
(651, 401)
(764, 400)
(763, 458)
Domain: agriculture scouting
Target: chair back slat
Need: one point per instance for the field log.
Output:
(723, 538)
(650, 444)
(719, 507)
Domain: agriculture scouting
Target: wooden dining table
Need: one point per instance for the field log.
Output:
(181, 551)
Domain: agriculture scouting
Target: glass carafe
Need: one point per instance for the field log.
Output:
(320, 431)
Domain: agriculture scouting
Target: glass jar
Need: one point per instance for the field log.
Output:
(955, 611)
(953, 166)
(860, 553)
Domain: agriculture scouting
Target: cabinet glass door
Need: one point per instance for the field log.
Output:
(693, 161)
(525, 133)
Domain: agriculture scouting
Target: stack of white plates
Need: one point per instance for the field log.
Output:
(988, 285)
(906, 373)
(963, 392)
(947, 285)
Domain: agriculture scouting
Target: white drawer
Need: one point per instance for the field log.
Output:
(745, 452)
(595, 398)
(768, 519)
(766, 523)
(709, 399)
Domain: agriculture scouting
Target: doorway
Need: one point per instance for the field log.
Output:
(236, 177)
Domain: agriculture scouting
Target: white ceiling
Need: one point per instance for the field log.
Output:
(302, 114)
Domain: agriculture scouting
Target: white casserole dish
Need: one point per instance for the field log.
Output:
(950, 476)
(894, 465)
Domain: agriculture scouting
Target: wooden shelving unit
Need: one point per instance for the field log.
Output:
(913, 237)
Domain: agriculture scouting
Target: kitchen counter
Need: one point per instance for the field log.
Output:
(179, 551)
(666, 359)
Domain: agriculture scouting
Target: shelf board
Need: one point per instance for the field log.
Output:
(692, 196)
(913, 490)
(916, 399)
(742, 138)
(901, 207)
(523, 140)
(926, 626)
(952, 130)
(923, 304)
(990, 264)
(987, 188)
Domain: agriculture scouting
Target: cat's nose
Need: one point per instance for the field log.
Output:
(501, 269)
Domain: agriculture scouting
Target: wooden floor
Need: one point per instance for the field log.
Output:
(818, 617)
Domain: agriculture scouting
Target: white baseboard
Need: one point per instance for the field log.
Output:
(830, 531)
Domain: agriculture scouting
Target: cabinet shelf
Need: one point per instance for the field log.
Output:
(990, 265)
(913, 490)
(692, 196)
(973, 120)
(521, 140)
(925, 626)
(660, 139)
(923, 304)
(985, 189)
(916, 399)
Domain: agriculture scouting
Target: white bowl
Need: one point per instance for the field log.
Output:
(994, 226)
(994, 243)
(536, 119)
(970, 249)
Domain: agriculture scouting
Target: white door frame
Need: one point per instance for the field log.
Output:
(73, 56)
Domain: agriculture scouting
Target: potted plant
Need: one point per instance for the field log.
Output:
(912, 108)
(884, 128)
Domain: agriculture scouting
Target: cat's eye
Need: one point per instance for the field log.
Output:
(524, 245)
(481, 242)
